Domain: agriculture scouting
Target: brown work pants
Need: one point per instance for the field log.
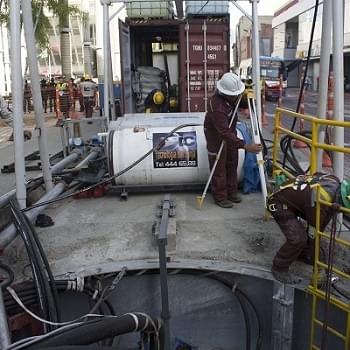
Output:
(290, 205)
(295, 233)
(224, 180)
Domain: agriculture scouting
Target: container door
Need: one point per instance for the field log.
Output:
(204, 58)
(125, 58)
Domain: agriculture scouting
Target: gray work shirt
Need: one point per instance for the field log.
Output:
(88, 88)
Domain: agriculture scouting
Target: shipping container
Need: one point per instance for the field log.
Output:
(204, 56)
(198, 8)
(150, 9)
(192, 54)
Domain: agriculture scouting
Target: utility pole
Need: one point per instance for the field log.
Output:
(17, 101)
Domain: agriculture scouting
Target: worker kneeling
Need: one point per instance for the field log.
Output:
(296, 200)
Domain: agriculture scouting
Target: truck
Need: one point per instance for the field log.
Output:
(185, 58)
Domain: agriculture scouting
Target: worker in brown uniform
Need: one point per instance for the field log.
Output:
(293, 201)
(224, 187)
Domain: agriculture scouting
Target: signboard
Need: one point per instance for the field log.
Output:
(179, 150)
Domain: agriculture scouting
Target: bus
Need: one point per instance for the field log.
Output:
(271, 69)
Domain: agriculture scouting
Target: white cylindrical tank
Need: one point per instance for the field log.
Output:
(183, 159)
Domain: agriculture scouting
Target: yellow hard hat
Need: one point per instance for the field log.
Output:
(87, 77)
(158, 97)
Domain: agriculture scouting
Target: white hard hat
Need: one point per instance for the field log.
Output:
(230, 84)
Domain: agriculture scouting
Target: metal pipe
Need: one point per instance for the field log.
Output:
(110, 74)
(326, 47)
(5, 198)
(57, 168)
(187, 29)
(10, 232)
(338, 69)
(91, 156)
(205, 65)
(17, 101)
(105, 60)
(5, 339)
(37, 99)
(256, 58)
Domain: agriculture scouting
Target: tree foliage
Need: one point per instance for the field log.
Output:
(41, 21)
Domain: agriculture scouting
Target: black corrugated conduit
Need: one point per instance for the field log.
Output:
(287, 139)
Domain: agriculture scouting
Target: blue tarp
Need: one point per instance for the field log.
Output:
(251, 181)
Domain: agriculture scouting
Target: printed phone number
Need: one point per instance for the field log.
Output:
(175, 163)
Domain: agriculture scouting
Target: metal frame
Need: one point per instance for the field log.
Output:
(314, 143)
(316, 291)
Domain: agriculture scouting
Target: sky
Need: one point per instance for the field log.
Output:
(265, 7)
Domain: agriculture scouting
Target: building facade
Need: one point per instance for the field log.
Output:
(243, 46)
(292, 25)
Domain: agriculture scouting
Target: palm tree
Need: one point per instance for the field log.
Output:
(60, 9)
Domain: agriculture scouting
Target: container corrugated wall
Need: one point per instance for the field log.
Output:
(197, 8)
(199, 63)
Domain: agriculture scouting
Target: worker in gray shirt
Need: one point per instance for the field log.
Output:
(6, 114)
(88, 90)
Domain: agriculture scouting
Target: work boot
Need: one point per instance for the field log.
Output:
(224, 204)
(235, 198)
(282, 276)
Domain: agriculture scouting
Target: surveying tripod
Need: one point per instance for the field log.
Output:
(257, 139)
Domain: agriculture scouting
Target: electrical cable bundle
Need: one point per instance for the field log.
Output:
(44, 281)
(287, 138)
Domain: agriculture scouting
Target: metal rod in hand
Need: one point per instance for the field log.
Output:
(200, 199)
(256, 139)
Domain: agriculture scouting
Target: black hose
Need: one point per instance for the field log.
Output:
(241, 296)
(109, 179)
(32, 258)
(47, 266)
(301, 91)
(10, 276)
(92, 332)
(246, 322)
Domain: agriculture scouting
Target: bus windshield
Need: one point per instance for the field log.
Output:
(271, 68)
(270, 73)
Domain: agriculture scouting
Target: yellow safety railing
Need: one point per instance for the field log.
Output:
(336, 300)
(313, 143)
(318, 294)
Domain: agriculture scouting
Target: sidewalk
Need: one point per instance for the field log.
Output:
(29, 124)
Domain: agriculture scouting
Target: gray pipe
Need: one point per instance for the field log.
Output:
(256, 58)
(338, 68)
(37, 98)
(57, 168)
(5, 340)
(10, 232)
(17, 100)
(326, 40)
(91, 156)
(106, 56)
